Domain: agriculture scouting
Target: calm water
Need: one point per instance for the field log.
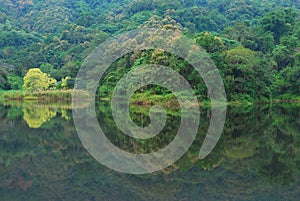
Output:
(42, 158)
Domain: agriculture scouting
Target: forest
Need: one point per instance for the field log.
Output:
(255, 44)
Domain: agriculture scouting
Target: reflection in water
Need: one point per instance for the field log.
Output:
(257, 157)
(36, 116)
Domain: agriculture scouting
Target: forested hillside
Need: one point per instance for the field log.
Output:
(254, 43)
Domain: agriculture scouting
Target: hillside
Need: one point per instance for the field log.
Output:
(57, 35)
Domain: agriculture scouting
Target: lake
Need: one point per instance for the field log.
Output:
(256, 158)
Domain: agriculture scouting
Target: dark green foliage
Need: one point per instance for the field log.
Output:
(287, 81)
(57, 35)
(3, 79)
(279, 23)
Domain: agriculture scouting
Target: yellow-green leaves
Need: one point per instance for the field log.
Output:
(36, 80)
(64, 82)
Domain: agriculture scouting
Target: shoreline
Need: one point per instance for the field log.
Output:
(66, 95)
(50, 95)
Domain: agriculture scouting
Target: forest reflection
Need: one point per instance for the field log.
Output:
(259, 150)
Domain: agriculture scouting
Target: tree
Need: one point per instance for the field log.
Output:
(279, 23)
(282, 56)
(4, 84)
(245, 73)
(287, 81)
(210, 42)
(67, 83)
(15, 82)
(36, 80)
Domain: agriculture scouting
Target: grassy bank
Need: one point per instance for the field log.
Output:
(58, 104)
(49, 95)
(170, 100)
(142, 99)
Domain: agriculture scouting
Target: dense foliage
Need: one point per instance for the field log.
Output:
(255, 44)
(36, 80)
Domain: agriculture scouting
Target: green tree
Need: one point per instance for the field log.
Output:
(246, 73)
(15, 82)
(282, 56)
(210, 42)
(4, 79)
(67, 82)
(279, 23)
(287, 81)
(36, 80)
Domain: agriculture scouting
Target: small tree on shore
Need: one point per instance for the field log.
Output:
(36, 80)
(67, 83)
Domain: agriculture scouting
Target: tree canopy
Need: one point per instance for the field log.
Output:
(250, 41)
(36, 80)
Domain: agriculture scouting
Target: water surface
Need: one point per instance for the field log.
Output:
(256, 158)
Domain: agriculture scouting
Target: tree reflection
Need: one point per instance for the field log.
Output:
(35, 117)
(259, 149)
(36, 114)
